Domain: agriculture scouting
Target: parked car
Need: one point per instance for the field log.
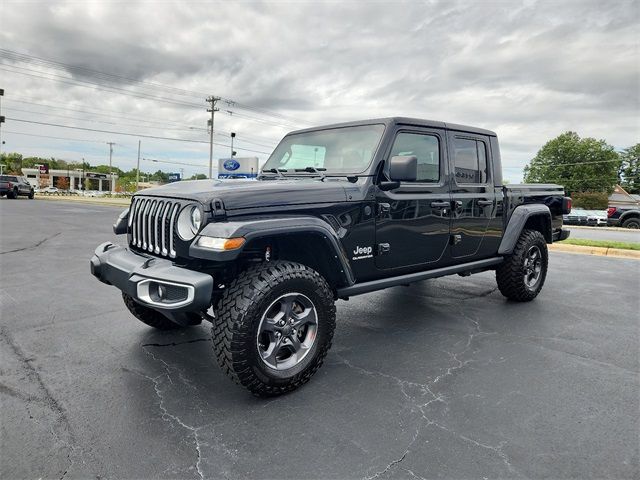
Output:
(596, 218)
(50, 190)
(14, 186)
(578, 216)
(379, 205)
(624, 216)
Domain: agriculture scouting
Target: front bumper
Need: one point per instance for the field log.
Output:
(154, 282)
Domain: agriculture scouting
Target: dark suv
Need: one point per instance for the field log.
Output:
(337, 211)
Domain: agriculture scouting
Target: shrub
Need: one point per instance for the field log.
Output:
(590, 200)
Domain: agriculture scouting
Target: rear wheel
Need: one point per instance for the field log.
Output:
(631, 223)
(522, 274)
(13, 194)
(147, 315)
(31, 194)
(274, 326)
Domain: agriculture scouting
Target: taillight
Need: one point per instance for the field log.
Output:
(566, 205)
(10, 185)
(611, 211)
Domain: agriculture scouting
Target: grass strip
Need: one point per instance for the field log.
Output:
(602, 243)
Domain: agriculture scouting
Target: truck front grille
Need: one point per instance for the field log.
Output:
(152, 224)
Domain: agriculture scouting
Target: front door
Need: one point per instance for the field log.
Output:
(412, 223)
(472, 193)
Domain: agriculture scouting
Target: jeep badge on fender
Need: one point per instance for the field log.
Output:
(269, 258)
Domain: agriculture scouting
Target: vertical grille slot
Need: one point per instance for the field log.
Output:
(152, 225)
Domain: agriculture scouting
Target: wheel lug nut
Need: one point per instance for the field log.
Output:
(291, 321)
(278, 334)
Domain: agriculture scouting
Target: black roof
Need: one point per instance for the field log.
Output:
(416, 122)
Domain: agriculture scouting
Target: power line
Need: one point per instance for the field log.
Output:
(158, 137)
(55, 138)
(32, 59)
(182, 126)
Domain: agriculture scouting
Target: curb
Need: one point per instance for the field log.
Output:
(599, 229)
(599, 251)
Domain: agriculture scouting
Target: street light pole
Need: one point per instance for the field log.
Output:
(111, 144)
(233, 135)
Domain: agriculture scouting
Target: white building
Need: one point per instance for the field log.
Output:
(104, 182)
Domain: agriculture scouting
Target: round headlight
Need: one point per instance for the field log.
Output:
(189, 222)
(196, 218)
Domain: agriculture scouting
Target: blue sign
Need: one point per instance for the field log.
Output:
(174, 177)
(231, 165)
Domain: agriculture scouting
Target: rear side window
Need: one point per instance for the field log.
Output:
(426, 148)
(470, 160)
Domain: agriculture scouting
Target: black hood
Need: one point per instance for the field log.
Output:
(251, 193)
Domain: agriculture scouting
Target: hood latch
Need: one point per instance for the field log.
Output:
(217, 210)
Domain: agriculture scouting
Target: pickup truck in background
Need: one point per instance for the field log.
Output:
(13, 186)
(624, 216)
(337, 211)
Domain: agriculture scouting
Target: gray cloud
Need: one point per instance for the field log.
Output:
(528, 70)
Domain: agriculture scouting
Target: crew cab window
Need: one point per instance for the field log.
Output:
(426, 148)
(470, 160)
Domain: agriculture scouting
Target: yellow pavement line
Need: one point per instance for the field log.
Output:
(601, 251)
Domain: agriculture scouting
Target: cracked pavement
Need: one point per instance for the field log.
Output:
(443, 379)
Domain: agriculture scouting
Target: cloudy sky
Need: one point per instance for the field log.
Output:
(529, 70)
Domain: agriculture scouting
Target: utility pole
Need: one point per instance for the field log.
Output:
(212, 100)
(138, 168)
(1, 118)
(111, 144)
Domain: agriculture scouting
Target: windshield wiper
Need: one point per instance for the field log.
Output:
(277, 171)
(312, 170)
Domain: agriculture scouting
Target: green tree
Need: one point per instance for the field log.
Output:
(198, 176)
(12, 163)
(629, 172)
(580, 164)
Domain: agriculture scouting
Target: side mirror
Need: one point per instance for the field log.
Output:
(403, 168)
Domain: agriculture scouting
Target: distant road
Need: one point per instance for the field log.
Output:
(602, 233)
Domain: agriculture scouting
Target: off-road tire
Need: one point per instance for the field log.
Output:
(238, 316)
(31, 195)
(510, 274)
(148, 316)
(13, 194)
(631, 223)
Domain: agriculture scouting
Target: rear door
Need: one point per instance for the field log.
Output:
(412, 224)
(473, 197)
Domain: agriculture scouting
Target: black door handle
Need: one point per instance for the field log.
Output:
(485, 203)
(440, 204)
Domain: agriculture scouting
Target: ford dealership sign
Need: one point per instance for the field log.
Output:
(231, 165)
(238, 167)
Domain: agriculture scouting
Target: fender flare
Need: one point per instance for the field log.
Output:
(516, 224)
(256, 228)
(629, 214)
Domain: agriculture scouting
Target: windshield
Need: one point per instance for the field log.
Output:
(346, 150)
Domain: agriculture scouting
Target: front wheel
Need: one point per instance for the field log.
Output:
(274, 326)
(522, 274)
(631, 223)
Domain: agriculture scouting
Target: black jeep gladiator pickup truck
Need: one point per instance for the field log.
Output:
(338, 211)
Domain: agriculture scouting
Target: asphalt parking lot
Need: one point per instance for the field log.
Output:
(444, 379)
